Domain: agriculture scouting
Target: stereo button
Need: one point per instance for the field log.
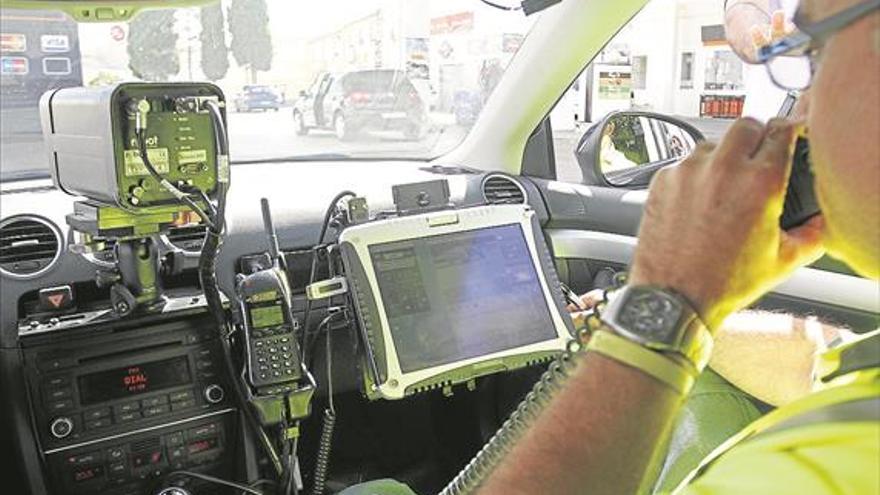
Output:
(129, 416)
(55, 363)
(61, 427)
(126, 408)
(154, 401)
(118, 469)
(184, 404)
(97, 414)
(174, 439)
(97, 423)
(60, 406)
(214, 393)
(57, 381)
(177, 453)
(116, 454)
(182, 395)
(156, 410)
(58, 393)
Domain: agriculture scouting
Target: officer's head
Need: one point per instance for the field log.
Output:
(832, 49)
(844, 127)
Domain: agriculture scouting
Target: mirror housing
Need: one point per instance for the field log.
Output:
(102, 10)
(626, 148)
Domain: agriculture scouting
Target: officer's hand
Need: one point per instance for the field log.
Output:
(588, 301)
(710, 227)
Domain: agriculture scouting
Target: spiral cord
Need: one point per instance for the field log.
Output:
(551, 382)
(322, 458)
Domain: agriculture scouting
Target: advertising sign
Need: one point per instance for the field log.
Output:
(614, 85)
(56, 66)
(13, 43)
(463, 21)
(16, 66)
(54, 43)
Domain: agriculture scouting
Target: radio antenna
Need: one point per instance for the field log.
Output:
(274, 250)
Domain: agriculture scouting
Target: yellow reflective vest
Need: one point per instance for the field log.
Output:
(827, 443)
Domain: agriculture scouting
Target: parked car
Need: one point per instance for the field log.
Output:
(355, 102)
(257, 98)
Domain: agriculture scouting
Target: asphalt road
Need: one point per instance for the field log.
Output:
(271, 134)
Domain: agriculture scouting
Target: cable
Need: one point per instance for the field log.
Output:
(468, 480)
(212, 479)
(509, 8)
(325, 446)
(208, 279)
(326, 225)
(177, 193)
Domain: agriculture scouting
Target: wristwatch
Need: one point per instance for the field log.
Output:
(661, 320)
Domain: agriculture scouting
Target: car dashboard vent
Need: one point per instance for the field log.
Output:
(501, 190)
(188, 238)
(29, 246)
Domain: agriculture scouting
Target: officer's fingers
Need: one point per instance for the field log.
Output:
(803, 244)
(777, 144)
(777, 25)
(740, 142)
(759, 36)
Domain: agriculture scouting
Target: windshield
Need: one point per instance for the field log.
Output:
(341, 79)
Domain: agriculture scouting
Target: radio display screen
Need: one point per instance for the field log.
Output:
(461, 295)
(133, 380)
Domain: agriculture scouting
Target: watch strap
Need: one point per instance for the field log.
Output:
(627, 352)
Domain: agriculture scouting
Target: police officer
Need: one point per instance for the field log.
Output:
(710, 245)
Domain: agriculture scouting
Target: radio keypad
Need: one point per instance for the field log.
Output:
(273, 353)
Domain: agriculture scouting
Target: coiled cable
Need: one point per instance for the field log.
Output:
(322, 458)
(469, 479)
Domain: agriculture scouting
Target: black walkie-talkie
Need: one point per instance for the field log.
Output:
(272, 353)
(800, 197)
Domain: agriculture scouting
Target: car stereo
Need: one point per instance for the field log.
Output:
(118, 405)
(445, 297)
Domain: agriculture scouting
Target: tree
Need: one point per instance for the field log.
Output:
(152, 46)
(215, 55)
(251, 40)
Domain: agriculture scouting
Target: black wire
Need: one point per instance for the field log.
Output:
(508, 8)
(211, 289)
(326, 225)
(212, 479)
(180, 195)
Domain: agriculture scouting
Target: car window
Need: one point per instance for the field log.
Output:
(270, 57)
(671, 58)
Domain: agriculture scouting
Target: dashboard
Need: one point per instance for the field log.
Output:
(139, 398)
(114, 405)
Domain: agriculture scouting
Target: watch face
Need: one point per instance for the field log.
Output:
(652, 315)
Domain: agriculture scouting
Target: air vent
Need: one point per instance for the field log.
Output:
(189, 238)
(29, 246)
(500, 190)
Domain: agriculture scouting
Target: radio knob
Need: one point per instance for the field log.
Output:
(61, 427)
(214, 393)
(174, 490)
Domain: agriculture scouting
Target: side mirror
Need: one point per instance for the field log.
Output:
(303, 93)
(626, 149)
